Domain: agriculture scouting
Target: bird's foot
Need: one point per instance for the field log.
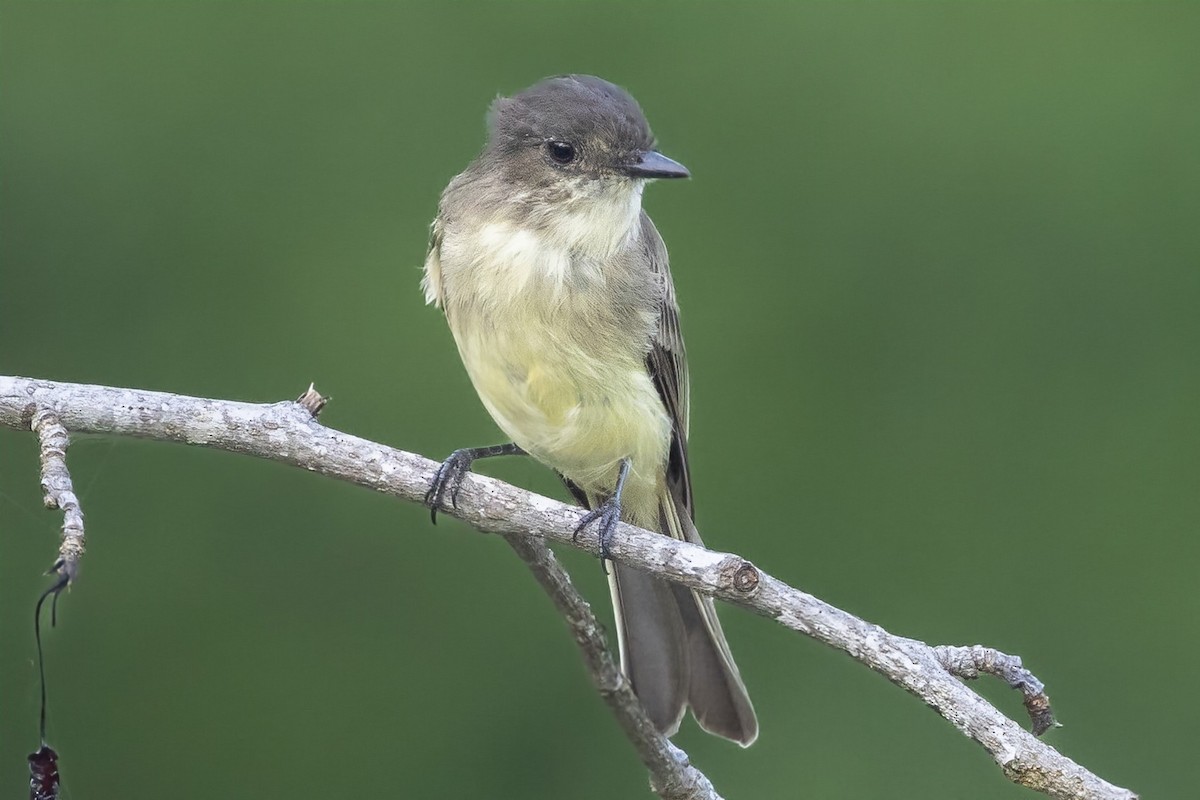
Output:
(607, 515)
(448, 480)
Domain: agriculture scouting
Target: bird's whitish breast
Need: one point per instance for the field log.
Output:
(558, 364)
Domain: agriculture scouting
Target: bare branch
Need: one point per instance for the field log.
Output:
(58, 490)
(969, 662)
(672, 777)
(287, 433)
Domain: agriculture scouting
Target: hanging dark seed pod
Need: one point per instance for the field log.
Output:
(43, 765)
(43, 774)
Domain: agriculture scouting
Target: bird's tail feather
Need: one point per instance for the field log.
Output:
(673, 648)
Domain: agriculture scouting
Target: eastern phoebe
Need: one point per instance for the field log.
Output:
(556, 287)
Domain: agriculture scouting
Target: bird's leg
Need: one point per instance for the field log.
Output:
(449, 477)
(608, 513)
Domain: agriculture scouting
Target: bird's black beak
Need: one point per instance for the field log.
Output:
(653, 164)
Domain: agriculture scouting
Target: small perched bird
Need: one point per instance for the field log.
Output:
(555, 284)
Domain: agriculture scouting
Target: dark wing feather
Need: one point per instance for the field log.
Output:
(673, 646)
(667, 363)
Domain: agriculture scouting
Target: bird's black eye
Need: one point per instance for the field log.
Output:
(561, 152)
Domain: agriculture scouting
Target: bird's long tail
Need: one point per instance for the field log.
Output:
(672, 645)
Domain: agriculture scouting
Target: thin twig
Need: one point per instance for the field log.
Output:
(58, 491)
(672, 776)
(287, 433)
(970, 662)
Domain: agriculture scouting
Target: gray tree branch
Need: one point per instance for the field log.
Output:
(672, 776)
(57, 489)
(288, 433)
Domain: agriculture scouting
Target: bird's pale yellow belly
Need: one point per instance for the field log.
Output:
(579, 405)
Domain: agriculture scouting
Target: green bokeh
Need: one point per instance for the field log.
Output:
(940, 273)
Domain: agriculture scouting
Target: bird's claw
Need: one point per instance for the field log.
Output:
(448, 480)
(608, 514)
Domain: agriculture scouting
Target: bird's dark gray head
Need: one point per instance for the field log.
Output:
(575, 127)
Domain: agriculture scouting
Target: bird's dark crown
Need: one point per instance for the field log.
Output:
(582, 110)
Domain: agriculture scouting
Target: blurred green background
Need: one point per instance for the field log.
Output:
(940, 273)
